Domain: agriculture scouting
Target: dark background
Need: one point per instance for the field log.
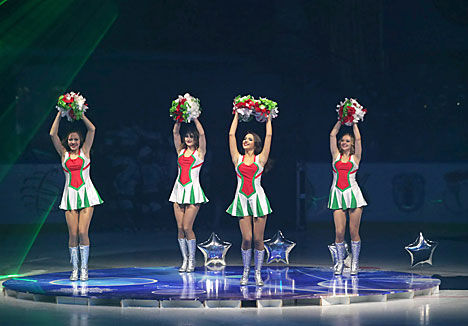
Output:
(405, 61)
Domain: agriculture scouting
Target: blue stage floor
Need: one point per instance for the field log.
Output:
(167, 284)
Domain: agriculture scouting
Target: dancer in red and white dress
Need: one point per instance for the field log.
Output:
(345, 194)
(250, 203)
(187, 194)
(79, 195)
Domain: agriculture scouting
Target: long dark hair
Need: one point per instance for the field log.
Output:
(65, 140)
(258, 144)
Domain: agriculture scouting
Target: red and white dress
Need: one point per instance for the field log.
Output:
(345, 192)
(187, 189)
(79, 191)
(250, 198)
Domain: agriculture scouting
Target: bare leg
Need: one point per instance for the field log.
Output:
(191, 212)
(339, 217)
(187, 224)
(72, 224)
(259, 252)
(354, 223)
(259, 231)
(179, 211)
(245, 225)
(86, 214)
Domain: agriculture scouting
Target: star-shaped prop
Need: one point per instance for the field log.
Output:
(214, 250)
(278, 248)
(347, 258)
(421, 250)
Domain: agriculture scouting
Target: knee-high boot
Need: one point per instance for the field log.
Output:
(74, 261)
(192, 247)
(340, 252)
(184, 252)
(246, 257)
(84, 251)
(355, 249)
(259, 254)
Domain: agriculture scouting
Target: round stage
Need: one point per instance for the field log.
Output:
(165, 287)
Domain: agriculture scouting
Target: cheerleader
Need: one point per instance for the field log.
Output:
(250, 204)
(345, 194)
(79, 194)
(187, 194)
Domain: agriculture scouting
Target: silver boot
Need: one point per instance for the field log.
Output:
(192, 247)
(258, 266)
(246, 257)
(184, 252)
(74, 262)
(84, 251)
(355, 249)
(340, 253)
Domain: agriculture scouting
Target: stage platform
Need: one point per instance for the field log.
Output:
(165, 287)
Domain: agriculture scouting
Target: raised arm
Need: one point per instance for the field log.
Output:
(54, 135)
(201, 138)
(89, 139)
(333, 147)
(176, 135)
(357, 143)
(263, 157)
(232, 139)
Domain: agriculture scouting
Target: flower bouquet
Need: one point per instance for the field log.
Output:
(72, 105)
(350, 111)
(185, 108)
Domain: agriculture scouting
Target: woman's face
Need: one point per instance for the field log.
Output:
(346, 142)
(74, 141)
(248, 143)
(189, 140)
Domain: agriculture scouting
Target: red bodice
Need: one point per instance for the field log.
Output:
(185, 163)
(342, 170)
(247, 173)
(75, 166)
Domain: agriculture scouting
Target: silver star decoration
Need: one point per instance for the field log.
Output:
(214, 250)
(421, 250)
(278, 248)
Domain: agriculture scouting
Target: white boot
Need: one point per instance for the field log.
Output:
(246, 257)
(74, 261)
(184, 252)
(259, 254)
(340, 252)
(192, 247)
(355, 249)
(84, 251)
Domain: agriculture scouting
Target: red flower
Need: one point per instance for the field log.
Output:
(69, 100)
